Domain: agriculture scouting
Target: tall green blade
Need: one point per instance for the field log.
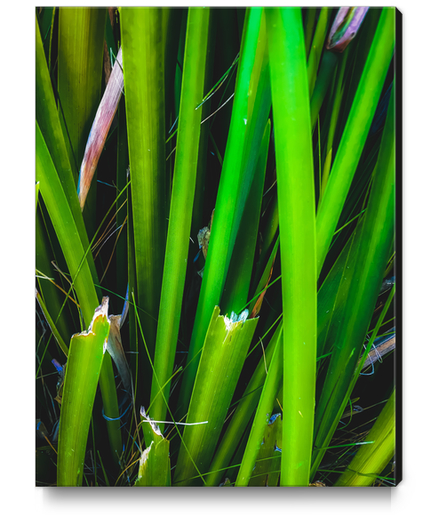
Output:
(262, 416)
(295, 186)
(48, 118)
(79, 264)
(222, 360)
(231, 197)
(84, 364)
(143, 66)
(155, 464)
(317, 46)
(62, 218)
(243, 413)
(180, 218)
(372, 458)
(237, 284)
(375, 246)
(80, 61)
(355, 132)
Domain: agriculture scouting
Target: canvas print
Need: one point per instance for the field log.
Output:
(216, 246)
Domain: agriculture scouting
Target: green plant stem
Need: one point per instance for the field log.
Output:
(180, 217)
(293, 150)
(262, 416)
(355, 133)
(143, 66)
(371, 459)
(375, 246)
(228, 209)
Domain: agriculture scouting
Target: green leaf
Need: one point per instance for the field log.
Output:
(83, 368)
(155, 464)
(222, 359)
(232, 193)
(267, 470)
(49, 123)
(243, 413)
(375, 246)
(63, 221)
(241, 266)
(294, 159)
(317, 46)
(262, 418)
(372, 458)
(355, 133)
(143, 67)
(79, 262)
(80, 63)
(180, 217)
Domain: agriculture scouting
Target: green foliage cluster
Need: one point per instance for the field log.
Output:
(215, 227)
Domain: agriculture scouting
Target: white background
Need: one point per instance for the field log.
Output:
(17, 467)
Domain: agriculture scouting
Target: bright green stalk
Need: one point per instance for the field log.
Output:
(143, 65)
(49, 123)
(62, 219)
(267, 470)
(372, 459)
(37, 195)
(79, 265)
(183, 191)
(80, 61)
(47, 114)
(295, 185)
(337, 96)
(223, 355)
(240, 271)
(355, 132)
(242, 415)
(155, 463)
(231, 198)
(316, 47)
(262, 416)
(375, 246)
(84, 364)
(324, 79)
(310, 16)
